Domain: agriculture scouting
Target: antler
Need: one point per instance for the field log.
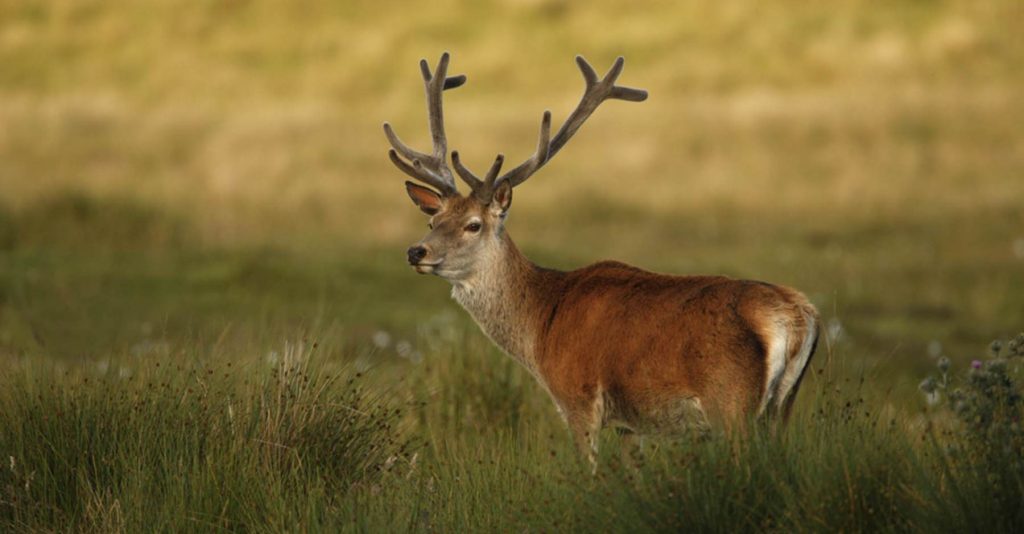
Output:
(481, 188)
(431, 169)
(597, 91)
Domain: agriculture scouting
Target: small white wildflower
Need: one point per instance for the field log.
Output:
(1018, 248)
(403, 348)
(440, 329)
(412, 465)
(932, 398)
(381, 339)
(835, 329)
(445, 317)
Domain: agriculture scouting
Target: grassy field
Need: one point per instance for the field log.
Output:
(197, 215)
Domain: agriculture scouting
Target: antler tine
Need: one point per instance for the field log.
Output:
(452, 82)
(401, 147)
(492, 173)
(431, 169)
(519, 174)
(481, 188)
(419, 172)
(472, 180)
(597, 91)
(435, 86)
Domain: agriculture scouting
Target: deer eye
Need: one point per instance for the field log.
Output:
(473, 227)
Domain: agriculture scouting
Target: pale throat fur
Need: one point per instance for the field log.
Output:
(503, 296)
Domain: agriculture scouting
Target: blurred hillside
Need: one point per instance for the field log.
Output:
(868, 153)
(243, 116)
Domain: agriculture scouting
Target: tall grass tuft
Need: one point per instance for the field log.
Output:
(188, 446)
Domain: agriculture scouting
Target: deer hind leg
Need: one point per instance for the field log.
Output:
(584, 424)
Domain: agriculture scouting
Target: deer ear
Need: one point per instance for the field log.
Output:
(426, 199)
(502, 198)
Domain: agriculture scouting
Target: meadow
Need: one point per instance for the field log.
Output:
(207, 323)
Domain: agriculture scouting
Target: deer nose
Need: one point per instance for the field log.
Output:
(416, 253)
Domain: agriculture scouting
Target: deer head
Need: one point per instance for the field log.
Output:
(465, 229)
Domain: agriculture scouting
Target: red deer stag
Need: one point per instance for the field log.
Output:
(611, 343)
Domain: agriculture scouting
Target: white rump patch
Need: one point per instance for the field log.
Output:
(776, 368)
(796, 367)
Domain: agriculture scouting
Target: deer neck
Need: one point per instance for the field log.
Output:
(503, 296)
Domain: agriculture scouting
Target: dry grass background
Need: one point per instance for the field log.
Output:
(870, 154)
(196, 196)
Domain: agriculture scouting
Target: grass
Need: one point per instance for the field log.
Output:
(298, 439)
(206, 189)
(187, 446)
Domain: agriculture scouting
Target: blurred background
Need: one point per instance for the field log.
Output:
(213, 173)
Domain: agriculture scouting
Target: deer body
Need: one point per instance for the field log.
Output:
(611, 343)
(652, 353)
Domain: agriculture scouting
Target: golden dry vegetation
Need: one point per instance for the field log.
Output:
(205, 182)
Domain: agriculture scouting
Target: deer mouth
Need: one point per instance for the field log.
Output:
(426, 267)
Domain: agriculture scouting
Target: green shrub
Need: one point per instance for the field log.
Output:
(980, 411)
